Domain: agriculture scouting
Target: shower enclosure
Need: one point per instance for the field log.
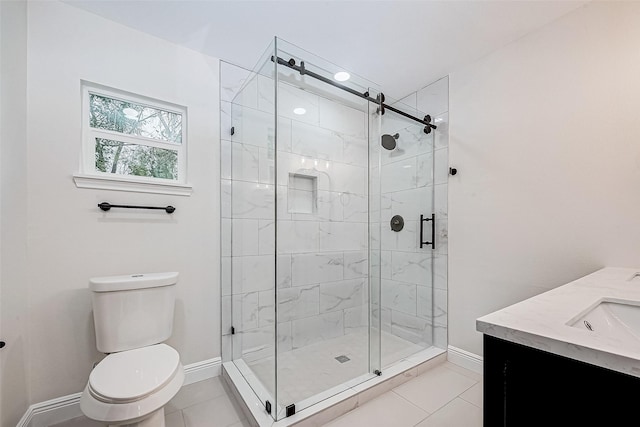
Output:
(328, 234)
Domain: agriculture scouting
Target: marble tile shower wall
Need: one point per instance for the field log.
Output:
(320, 196)
(410, 309)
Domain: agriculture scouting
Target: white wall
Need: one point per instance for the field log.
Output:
(14, 381)
(69, 239)
(545, 136)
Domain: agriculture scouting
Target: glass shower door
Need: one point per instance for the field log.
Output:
(407, 235)
(323, 291)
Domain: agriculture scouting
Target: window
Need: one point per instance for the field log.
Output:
(131, 138)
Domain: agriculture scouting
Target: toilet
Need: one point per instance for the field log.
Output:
(133, 316)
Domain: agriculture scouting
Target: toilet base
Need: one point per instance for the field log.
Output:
(155, 419)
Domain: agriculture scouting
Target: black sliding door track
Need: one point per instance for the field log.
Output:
(379, 100)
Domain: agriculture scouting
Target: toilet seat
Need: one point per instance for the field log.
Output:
(132, 375)
(105, 409)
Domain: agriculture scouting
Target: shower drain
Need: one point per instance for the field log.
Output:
(342, 359)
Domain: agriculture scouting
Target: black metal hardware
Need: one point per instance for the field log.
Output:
(105, 206)
(233, 330)
(291, 409)
(433, 231)
(429, 126)
(388, 142)
(233, 130)
(267, 406)
(379, 99)
(378, 372)
(453, 171)
(2, 344)
(397, 223)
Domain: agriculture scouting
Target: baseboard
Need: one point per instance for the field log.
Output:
(64, 408)
(464, 358)
(203, 370)
(52, 411)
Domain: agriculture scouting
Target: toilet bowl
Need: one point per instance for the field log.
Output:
(133, 315)
(132, 387)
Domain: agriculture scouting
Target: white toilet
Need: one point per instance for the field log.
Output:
(132, 316)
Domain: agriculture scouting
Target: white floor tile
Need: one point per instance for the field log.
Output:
(78, 422)
(386, 410)
(174, 419)
(435, 388)
(444, 396)
(220, 412)
(243, 423)
(474, 395)
(195, 393)
(467, 373)
(457, 413)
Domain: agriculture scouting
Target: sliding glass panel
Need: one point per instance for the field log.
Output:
(407, 236)
(322, 231)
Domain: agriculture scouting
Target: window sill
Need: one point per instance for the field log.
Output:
(126, 184)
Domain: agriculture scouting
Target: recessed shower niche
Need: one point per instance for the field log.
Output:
(302, 194)
(312, 274)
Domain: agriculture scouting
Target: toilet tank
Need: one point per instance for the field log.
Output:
(132, 311)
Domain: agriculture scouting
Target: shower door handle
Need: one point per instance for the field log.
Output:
(433, 231)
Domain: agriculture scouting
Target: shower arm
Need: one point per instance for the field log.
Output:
(291, 63)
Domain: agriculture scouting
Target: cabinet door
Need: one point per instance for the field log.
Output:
(529, 387)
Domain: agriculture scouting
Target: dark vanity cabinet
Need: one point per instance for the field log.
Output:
(524, 386)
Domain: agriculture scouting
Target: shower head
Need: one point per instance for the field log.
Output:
(389, 141)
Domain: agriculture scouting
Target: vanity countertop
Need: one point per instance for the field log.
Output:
(542, 321)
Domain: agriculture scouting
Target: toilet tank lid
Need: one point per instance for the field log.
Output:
(132, 281)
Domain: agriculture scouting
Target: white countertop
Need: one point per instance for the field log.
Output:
(541, 321)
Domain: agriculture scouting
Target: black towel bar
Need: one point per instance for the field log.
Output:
(105, 206)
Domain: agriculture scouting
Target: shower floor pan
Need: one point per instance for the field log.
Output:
(342, 387)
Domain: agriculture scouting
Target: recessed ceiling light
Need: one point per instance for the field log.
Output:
(342, 76)
(299, 111)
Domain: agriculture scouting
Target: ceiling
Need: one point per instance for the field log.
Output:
(400, 45)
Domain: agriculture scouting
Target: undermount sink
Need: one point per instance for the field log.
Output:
(613, 318)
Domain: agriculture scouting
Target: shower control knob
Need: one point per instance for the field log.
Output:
(453, 171)
(397, 223)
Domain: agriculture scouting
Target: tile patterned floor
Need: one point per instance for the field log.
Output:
(307, 371)
(444, 396)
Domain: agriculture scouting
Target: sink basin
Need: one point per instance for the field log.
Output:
(613, 318)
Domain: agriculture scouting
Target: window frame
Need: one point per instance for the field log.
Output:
(88, 171)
